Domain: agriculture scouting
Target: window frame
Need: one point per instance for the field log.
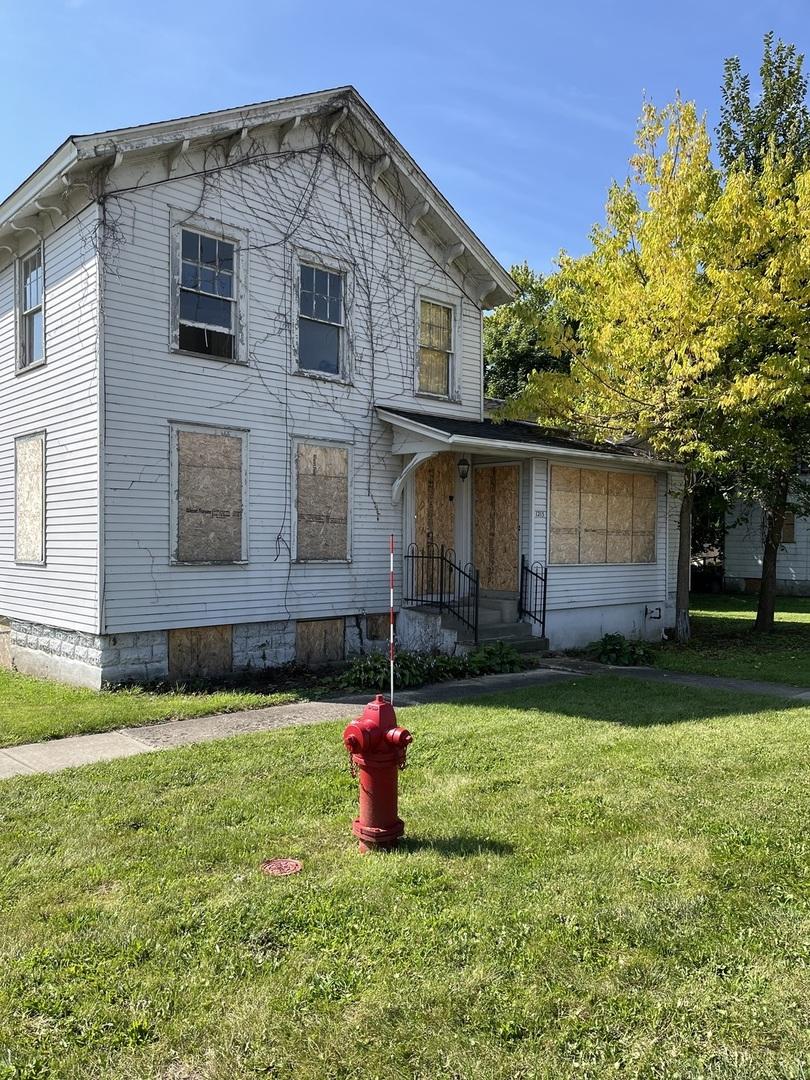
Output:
(331, 265)
(215, 230)
(790, 516)
(655, 561)
(21, 311)
(307, 440)
(42, 435)
(176, 426)
(454, 303)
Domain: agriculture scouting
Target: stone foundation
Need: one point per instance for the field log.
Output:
(87, 659)
(97, 660)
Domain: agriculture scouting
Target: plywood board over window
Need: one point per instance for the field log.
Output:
(319, 641)
(200, 652)
(600, 516)
(322, 500)
(29, 518)
(210, 494)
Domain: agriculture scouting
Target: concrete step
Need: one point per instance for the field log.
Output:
(518, 635)
(505, 603)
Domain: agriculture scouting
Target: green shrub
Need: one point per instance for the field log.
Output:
(411, 669)
(616, 649)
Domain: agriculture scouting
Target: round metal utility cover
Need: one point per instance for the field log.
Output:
(281, 867)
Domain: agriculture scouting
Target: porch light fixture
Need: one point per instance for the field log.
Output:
(463, 468)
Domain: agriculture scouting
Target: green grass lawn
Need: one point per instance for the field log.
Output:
(724, 643)
(600, 879)
(35, 709)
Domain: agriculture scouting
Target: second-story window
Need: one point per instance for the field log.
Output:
(435, 348)
(32, 316)
(320, 320)
(207, 306)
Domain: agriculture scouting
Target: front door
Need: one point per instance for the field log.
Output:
(435, 508)
(496, 508)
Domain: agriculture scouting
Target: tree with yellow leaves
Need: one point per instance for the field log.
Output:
(692, 324)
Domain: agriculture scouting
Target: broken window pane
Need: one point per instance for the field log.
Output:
(207, 295)
(318, 346)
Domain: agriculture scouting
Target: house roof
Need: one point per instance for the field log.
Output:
(514, 435)
(26, 208)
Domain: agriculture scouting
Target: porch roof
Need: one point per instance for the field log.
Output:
(418, 430)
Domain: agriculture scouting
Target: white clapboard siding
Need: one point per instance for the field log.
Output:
(744, 547)
(147, 386)
(62, 399)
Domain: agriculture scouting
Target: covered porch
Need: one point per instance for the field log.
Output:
(468, 516)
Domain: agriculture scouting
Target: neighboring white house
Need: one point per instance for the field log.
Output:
(237, 352)
(745, 539)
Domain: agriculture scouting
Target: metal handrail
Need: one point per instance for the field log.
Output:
(433, 578)
(533, 589)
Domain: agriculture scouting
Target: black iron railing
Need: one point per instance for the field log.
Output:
(433, 578)
(532, 602)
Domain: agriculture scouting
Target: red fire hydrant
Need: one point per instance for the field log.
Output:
(377, 751)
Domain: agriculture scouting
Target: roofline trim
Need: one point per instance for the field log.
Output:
(470, 442)
(87, 148)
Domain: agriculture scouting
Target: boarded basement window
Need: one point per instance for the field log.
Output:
(601, 517)
(322, 499)
(210, 495)
(29, 519)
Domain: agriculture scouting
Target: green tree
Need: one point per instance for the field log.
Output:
(764, 147)
(515, 337)
(779, 121)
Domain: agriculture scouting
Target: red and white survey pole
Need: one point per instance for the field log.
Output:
(391, 615)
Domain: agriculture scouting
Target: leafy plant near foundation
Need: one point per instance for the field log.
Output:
(366, 673)
(616, 649)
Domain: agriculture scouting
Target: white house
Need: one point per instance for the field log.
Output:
(237, 352)
(745, 538)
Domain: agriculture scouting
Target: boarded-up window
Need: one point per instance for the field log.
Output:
(322, 500)
(602, 517)
(789, 528)
(29, 520)
(210, 494)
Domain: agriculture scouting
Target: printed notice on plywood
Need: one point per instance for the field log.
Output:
(209, 492)
(323, 501)
(29, 536)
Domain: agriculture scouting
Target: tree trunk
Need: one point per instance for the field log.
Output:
(775, 516)
(682, 628)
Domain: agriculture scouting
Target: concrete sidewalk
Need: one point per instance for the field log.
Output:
(48, 757)
(57, 754)
(682, 678)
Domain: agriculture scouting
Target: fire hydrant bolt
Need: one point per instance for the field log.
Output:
(377, 747)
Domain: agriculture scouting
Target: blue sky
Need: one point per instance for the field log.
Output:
(521, 113)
